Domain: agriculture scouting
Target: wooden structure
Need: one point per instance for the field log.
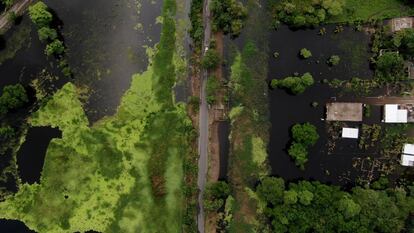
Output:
(344, 111)
(398, 24)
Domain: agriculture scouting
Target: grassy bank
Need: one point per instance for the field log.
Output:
(124, 173)
(249, 122)
(366, 10)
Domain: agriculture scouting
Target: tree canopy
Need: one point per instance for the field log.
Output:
(314, 207)
(390, 68)
(40, 15)
(228, 16)
(295, 85)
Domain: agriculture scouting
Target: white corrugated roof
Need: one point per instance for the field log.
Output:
(408, 149)
(350, 132)
(407, 160)
(394, 115)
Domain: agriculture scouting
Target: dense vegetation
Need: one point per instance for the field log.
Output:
(213, 85)
(215, 196)
(228, 16)
(303, 137)
(296, 85)
(197, 28)
(42, 18)
(314, 207)
(305, 13)
(249, 124)
(302, 13)
(12, 97)
(211, 59)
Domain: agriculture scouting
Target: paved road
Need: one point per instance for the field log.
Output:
(203, 124)
(18, 8)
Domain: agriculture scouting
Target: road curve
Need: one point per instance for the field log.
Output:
(203, 124)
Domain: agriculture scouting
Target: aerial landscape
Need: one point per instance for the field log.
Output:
(205, 116)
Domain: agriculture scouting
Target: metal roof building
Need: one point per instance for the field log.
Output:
(407, 157)
(393, 114)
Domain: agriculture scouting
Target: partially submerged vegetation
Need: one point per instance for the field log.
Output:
(303, 137)
(295, 85)
(228, 16)
(42, 18)
(129, 181)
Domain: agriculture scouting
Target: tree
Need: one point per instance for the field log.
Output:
(404, 41)
(348, 207)
(13, 96)
(305, 197)
(271, 189)
(211, 59)
(47, 33)
(56, 47)
(290, 197)
(390, 68)
(6, 133)
(334, 60)
(40, 15)
(305, 133)
(296, 85)
(299, 153)
(228, 16)
(305, 53)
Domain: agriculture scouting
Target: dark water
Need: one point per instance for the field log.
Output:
(13, 226)
(287, 110)
(31, 155)
(106, 42)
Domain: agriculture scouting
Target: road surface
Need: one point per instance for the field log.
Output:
(18, 8)
(203, 124)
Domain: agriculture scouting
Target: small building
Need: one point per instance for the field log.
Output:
(350, 133)
(407, 157)
(344, 111)
(398, 24)
(394, 114)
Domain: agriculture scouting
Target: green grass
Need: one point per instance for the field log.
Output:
(357, 10)
(122, 174)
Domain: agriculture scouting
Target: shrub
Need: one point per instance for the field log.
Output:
(296, 85)
(211, 59)
(47, 33)
(299, 153)
(212, 86)
(55, 48)
(305, 133)
(334, 60)
(6, 133)
(390, 68)
(305, 53)
(40, 15)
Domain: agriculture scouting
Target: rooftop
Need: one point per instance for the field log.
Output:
(350, 133)
(407, 157)
(398, 24)
(344, 111)
(394, 114)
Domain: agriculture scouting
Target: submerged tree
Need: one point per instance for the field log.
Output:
(296, 85)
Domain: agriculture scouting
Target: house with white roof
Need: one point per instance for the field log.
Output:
(407, 157)
(393, 114)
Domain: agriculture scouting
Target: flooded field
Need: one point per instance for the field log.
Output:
(31, 155)
(287, 110)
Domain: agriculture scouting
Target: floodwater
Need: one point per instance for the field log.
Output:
(31, 155)
(223, 132)
(106, 43)
(13, 226)
(287, 110)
